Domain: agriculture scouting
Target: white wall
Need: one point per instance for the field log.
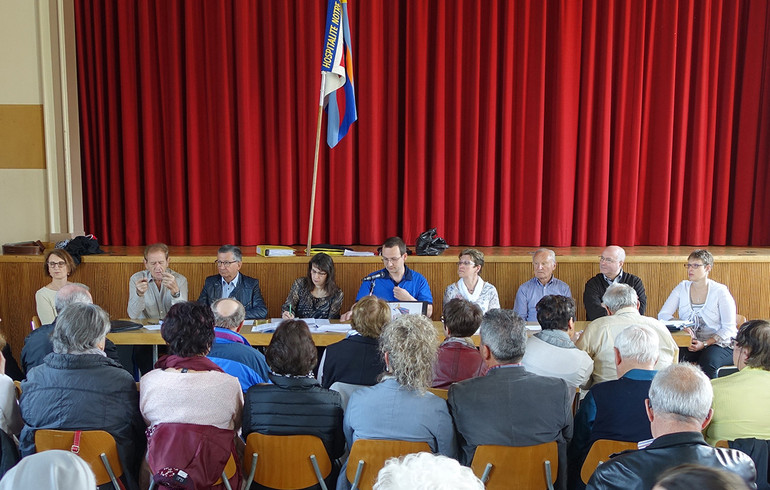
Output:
(23, 200)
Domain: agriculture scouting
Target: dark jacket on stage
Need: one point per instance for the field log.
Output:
(84, 392)
(296, 406)
(246, 291)
(597, 285)
(37, 345)
(355, 360)
(638, 470)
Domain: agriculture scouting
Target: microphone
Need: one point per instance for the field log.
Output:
(377, 275)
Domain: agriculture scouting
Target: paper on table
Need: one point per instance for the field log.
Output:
(334, 327)
(155, 326)
(534, 326)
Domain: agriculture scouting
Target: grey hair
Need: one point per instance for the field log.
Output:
(237, 255)
(230, 322)
(79, 328)
(71, 294)
(638, 343)
(619, 295)
(411, 342)
(551, 254)
(425, 470)
(683, 391)
(505, 334)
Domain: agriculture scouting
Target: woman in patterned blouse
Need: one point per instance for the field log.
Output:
(315, 295)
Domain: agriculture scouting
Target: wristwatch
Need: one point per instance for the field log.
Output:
(178, 294)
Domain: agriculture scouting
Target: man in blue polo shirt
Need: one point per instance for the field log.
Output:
(396, 282)
(231, 351)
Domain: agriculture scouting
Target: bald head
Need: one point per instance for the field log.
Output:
(71, 294)
(611, 261)
(228, 313)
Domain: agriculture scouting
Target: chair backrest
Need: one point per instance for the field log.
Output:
(600, 452)
(723, 371)
(373, 453)
(92, 444)
(345, 390)
(723, 444)
(17, 388)
(439, 392)
(739, 319)
(35, 323)
(284, 462)
(521, 467)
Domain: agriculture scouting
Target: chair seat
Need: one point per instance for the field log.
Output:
(93, 443)
(520, 467)
(369, 455)
(284, 462)
(600, 451)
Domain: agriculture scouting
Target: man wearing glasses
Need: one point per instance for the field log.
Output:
(230, 283)
(396, 282)
(611, 272)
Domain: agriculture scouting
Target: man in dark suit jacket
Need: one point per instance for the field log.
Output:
(611, 267)
(38, 344)
(509, 406)
(230, 283)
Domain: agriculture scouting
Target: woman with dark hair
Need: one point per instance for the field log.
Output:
(710, 308)
(356, 359)
(315, 295)
(185, 386)
(295, 403)
(741, 399)
(58, 266)
(458, 356)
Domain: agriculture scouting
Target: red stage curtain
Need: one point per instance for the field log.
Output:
(501, 122)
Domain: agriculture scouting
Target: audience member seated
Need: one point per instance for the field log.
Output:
(50, 470)
(741, 400)
(295, 404)
(231, 351)
(510, 406)
(551, 352)
(710, 307)
(316, 295)
(598, 338)
(689, 476)
(399, 407)
(230, 283)
(153, 291)
(10, 417)
(679, 408)
(12, 369)
(186, 387)
(357, 359)
(458, 357)
(543, 284)
(58, 265)
(426, 471)
(78, 388)
(615, 409)
(471, 286)
(610, 272)
(38, 344)
(396, 282)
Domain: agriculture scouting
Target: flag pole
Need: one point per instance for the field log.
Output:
(315, 165)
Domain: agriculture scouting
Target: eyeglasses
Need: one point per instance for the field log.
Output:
(55, 265)
(465, 262)
(692, 266)
(386, 260)
(607, 259)
(318, 273)
(224, 263)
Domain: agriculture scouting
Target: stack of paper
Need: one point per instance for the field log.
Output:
(275, 251)
(353, 253)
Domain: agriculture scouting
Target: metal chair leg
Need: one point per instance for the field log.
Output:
(317, 470)
(226, 481)
(548, 474)
(109, 471)
(253, 470)
(485, 475)
(359, 470)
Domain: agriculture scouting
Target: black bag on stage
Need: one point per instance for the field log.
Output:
(83, 245)
(430, 244)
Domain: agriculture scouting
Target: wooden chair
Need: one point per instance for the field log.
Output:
(723, 371)
(286, 462)
(96, 447)
(371, 455)
(35, 323)
(600, 452)
(740, 319)
(523, 467)
(17, 386)
(723, 444)
(439, 392)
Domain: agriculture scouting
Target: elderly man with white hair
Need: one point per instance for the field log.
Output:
(615, 409)
(610, 272)
(598, 338)
(426, 471)
(679, 408)
(542, 284)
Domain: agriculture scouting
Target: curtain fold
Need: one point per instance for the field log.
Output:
(502, 123)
